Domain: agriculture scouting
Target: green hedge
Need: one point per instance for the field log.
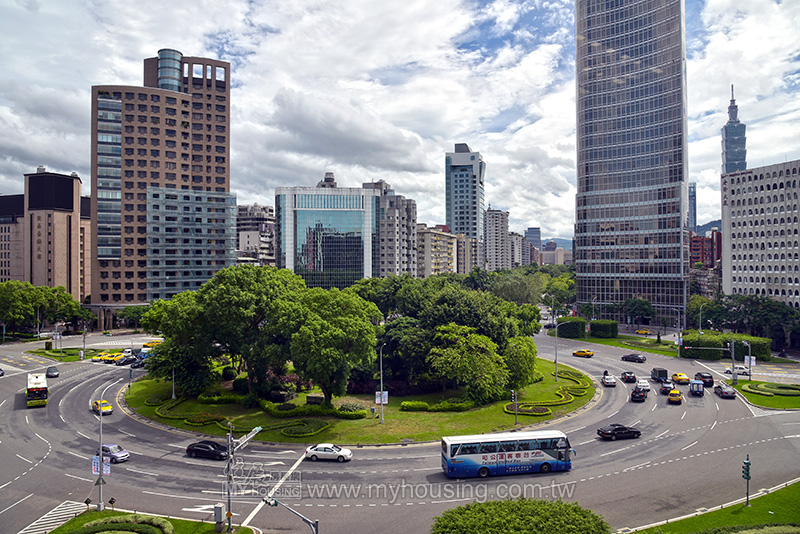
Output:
(448, 406)
(574, 328)
(414, 406)
(604, 328)
(219, 399)
(306, 428)
(565, 393)
(158, 522)
(770, 389)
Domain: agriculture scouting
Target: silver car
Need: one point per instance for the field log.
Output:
(328, 451)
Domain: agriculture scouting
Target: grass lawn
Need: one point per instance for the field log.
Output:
(777, 507)
(667, 347)
(70, 355)
(398, 425)
(777, 401)
(181, 526)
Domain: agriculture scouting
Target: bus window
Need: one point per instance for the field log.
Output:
(508, 446)
(487, 448)
(527, 445)
(469, 448)
(453, 450)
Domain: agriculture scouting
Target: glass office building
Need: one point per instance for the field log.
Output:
(465, 171)
(328, 235)
(631, 229)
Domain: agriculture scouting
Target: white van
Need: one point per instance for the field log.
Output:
(739, 370)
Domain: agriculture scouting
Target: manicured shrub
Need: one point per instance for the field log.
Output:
(414, 406)
(603, 328)
(574, 328)
(448, 406)
(351, 407)
(522, 516)
(159, 522)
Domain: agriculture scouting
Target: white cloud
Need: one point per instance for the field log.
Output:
(381, 90)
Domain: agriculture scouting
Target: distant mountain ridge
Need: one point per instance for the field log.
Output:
(703, 228)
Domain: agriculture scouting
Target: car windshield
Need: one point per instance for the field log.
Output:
(115, 448)
(336, 448)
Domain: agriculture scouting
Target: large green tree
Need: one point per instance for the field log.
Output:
(338, 332)
(17, 303)
(638, 309)
(469, 359)
(520, 358)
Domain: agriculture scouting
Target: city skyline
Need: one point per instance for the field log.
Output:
(328, 88)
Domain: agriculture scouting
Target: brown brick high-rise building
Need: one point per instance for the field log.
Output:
(164, 220)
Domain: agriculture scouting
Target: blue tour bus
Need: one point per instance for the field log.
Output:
(540, 451)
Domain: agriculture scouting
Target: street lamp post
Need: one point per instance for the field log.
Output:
(700, 322)
(100, 480)
(381, 370)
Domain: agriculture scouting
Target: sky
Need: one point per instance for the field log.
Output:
(383, 89)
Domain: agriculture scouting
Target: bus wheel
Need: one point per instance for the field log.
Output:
(483, 472)
(545, 468)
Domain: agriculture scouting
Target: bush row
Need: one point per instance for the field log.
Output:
(158, 522)
(444, 406)
(229, 398)
(770, 390)
(299, 410)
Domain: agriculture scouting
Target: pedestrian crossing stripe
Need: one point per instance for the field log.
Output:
(55, 518)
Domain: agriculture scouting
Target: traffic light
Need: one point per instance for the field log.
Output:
(513, 396)
(746, 470)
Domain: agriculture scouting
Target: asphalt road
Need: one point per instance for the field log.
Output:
(688, 458)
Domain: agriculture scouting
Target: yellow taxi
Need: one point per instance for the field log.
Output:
(153, 343)
(99, 356)
(644, 331)
(680, 378)
(675, 397)
(102, 407)
(113, 358)
(583, 353)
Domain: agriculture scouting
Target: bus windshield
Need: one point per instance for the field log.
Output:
(507, 453)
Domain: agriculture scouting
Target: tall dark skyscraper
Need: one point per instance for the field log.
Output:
(631, 230)
(693, 207)
(734, 151)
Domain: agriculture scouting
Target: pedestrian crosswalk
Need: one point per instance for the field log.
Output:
(55, 518)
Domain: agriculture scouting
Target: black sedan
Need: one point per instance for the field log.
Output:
(618, 431)
(666, 387)
(127, 360)
(627, 376)
(2, 373)
(139, 363)
(52, 372)
(208, 449)
(637, 358)
(725, 391)
(706, 378)
(638, 395)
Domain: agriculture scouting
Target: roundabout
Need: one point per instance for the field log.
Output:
(688, 458)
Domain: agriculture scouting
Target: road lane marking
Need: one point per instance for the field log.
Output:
(126, 433)
(665, 432)
(613, 414)
(25, 459)
(654, 406)
(79, 478)
(637, 422)
(16, 503)
(273, 490)
(84, 435)
(686, 447)
(78, 455)
(712, 426)
(684, 415)
(142, 472)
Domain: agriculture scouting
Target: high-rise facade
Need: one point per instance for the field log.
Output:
(45, 233)
(334, 236)
(496, 240)
(760, 224)
(734, 141)
(436, 250)
(464, 189)
(534, 237)
(164, 220)
(693, 207)
(255, 230)
(631, 230)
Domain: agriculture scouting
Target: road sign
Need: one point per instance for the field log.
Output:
(384, 397)
(241, 442)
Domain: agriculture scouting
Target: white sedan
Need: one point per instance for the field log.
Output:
(642, 383)
(328, 451)
(609, 381)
